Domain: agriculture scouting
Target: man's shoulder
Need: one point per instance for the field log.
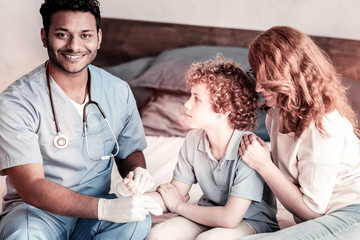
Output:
(28, 84)
(107, 78)
(102, 73)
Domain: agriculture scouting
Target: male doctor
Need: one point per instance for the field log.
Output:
(58, 172)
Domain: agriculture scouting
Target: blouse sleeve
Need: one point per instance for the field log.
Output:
(318, 164)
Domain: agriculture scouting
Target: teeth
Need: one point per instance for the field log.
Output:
(72, 57)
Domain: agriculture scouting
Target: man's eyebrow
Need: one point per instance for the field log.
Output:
(62, 29)
(67, 30)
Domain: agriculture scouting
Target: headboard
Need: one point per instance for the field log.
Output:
(125, 40)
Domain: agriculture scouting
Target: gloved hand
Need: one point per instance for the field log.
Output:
(127, 186)
(126, 209)
(143, 180)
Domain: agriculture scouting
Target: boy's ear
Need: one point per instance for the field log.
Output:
(43, 37)
(221, 115)
(226, 114)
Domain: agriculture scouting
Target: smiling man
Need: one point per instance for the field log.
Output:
(59, 168)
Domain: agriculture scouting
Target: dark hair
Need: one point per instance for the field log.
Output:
(231, 90)
(49, 7)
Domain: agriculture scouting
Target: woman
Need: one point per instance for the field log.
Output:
(315, 172)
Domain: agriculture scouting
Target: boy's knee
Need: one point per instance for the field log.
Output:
(156, 234)
(207, 236)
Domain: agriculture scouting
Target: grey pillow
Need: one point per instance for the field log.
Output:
(167, 71)
(129, 71)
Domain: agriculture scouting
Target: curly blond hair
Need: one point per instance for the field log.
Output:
(231, 90)
(288, 62)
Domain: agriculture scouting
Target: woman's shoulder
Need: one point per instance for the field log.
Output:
(335, 124)
(336, 129)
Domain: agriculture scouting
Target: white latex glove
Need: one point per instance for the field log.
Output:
(126, 209)
(143, 180)
(127, 186)
(123, 191)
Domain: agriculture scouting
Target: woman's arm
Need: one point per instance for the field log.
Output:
(219, 216)
(255, 153)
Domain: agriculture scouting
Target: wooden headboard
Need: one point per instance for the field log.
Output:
(125, 40)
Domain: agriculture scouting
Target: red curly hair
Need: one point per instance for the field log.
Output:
(287, 61)
(231, 90)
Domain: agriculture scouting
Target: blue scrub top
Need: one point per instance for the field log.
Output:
(28, 130)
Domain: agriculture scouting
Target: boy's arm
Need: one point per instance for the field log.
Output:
(217, 216)
(128, 187)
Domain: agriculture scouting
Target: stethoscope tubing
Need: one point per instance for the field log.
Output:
(60, 140)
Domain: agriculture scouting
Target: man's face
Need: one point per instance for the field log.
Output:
(72, 41)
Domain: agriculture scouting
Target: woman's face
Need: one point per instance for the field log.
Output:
(269, 96)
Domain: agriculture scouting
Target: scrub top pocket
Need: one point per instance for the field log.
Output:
(99, 137)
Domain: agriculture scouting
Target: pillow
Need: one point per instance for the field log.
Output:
(165, 116)
(128, 71)
(168, 70)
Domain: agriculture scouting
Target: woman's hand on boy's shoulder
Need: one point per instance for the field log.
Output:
(254, 151)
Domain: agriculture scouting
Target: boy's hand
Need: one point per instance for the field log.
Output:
(171, 196)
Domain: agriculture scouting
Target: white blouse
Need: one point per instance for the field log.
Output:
(326, 168)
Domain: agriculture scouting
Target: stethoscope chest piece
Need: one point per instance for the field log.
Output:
(60, 141)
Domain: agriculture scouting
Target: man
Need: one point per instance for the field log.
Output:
(58, 173)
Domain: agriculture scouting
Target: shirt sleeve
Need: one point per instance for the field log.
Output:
(248, 184)
(18, 138)
(132, 137)
(184, 170)
(318, 164)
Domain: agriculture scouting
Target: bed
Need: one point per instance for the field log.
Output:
(153, 57)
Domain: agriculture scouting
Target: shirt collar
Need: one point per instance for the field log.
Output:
(232, 148)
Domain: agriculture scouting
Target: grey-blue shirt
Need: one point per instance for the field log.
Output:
(229, 176)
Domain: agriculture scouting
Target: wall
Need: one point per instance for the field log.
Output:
(331, 18)
(21, 49)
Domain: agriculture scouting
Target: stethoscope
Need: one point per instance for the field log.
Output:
(60, 140)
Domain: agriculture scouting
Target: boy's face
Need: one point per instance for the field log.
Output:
(72, 40)
(199, 111)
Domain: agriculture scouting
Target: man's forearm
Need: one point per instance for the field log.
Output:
(56, 199)
(134, 160)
